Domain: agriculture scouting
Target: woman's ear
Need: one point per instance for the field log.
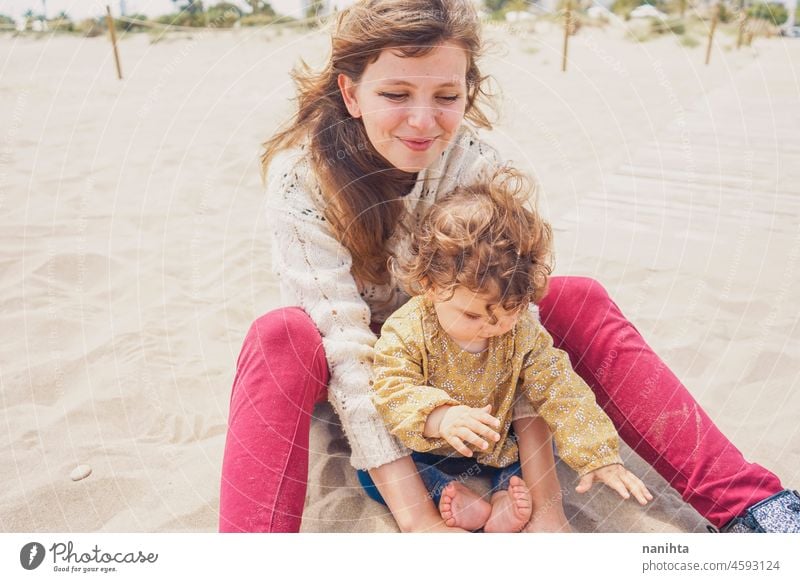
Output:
(348, 90)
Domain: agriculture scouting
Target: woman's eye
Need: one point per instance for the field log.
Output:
(393, 96)
(470, 316)
(403, 96)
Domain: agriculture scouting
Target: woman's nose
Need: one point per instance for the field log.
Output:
(422, 118)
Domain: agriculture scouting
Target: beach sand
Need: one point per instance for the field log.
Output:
(134, 254)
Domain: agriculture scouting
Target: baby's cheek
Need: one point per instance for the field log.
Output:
(469, 331)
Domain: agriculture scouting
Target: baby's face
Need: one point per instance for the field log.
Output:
(466, 317)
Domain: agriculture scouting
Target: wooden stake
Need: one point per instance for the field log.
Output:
(110, 22)
(711, 32)
(739, 37)
(566, 34)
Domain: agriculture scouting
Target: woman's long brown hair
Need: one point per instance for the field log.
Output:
(361, 190)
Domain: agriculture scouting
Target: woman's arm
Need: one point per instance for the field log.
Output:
(313, 269)
(407, 497)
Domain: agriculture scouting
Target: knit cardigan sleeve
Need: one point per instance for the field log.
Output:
(314, 273)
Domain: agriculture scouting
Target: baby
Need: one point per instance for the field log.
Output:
(464, 369)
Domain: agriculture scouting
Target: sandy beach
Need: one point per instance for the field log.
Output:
(134, 254)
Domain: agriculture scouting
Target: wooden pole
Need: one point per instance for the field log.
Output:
(711, 32)
(567, 21)
(740, 36)
(110, 22)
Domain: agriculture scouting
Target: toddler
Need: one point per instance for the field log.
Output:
(465, 370)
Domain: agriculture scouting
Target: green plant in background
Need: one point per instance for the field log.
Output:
(190, 6)
(262, 19)
(689, 41)
(639, 33)
(61, 23)
(7, 23)
(260, 7)
(262, 14)
(91, 26)
(126, 26)
(499, 8)
(191, 14)
(672, 25)
(518, 5)
(181, 19)
(576, 5)
(725, 14)
(677, 7)
(223, 15)
(314, 8)
(774, 13)
(624, 7)
(494, 6)
(29, 17)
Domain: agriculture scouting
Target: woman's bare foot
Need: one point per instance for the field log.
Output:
(463, 508)
(511, 509)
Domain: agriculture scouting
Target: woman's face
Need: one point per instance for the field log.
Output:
(411, 106)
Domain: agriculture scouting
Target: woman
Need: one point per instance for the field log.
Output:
(382, 131)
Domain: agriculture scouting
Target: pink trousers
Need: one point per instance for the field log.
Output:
(282, 373)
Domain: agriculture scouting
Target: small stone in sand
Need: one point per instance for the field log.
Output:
(80, 472)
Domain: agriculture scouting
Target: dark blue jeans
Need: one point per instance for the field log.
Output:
(437, 471)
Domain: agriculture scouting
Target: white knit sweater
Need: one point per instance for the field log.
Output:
(314, 272)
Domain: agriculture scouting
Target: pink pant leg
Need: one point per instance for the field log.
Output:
(280, 375)
(652, 410)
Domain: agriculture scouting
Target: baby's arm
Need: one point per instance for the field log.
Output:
(585, 437)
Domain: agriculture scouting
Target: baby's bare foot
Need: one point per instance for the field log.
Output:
(511, 509)
(463, 508)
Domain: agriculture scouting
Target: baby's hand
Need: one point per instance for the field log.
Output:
(619, 479)
(462, 424)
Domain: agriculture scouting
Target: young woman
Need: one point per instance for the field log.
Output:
(385, 128)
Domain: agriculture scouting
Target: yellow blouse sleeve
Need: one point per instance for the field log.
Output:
(399, 390)
(585, 437)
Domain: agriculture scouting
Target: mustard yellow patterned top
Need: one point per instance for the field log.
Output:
(418, 367)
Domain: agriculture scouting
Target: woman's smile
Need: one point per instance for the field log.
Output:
(411, 107)
(417, 145)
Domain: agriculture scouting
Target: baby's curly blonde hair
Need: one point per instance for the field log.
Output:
(482, 237)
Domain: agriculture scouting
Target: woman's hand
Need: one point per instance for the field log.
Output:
(620, 480)
(463, 424)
